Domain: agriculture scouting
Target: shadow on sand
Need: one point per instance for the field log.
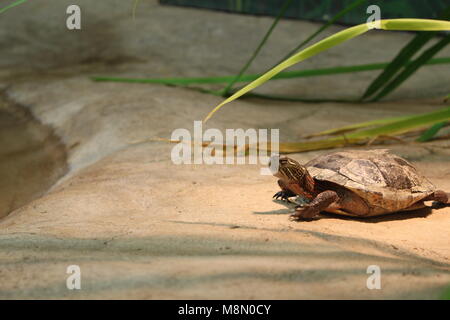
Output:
(401, 215)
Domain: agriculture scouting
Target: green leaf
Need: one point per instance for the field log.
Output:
(446, 294)
(402, 59)
(356, 126)
(340, 14)
(399, 62)
(294, 99)
(258, 49)
(302, 55)
(251, 77)
(133, 13)
(334, 40)
(431, 132)
(387, 130)
(12, 5)
(413, 67)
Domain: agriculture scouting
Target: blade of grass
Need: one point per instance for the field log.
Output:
(387, 130)
(402, 59)
(349, 8)
(431, 132)
(340, 14)
(356, 126)
(412, 67)
(285, 6)
(303, 55)
(395, 128)
(133, 13)
(12, 5)
(336, 39)
(399, 62)
(293, 98)
(251, 77)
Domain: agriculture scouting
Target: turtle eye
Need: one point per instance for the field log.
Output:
(284, 161)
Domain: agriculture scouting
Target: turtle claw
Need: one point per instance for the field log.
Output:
(297, 217)
(281, 194)
(301, 214)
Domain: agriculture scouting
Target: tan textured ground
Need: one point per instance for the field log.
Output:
(141, 227)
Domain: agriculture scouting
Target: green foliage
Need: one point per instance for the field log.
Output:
(446, 294)
(330, 22)
(398, 62)
(431, 132)
(402, 61)
(261, 44)
(393, 75)
(12, 5)
(251, 77)
(383, 85)
(386, 130)
(412, 67)
(340, 37)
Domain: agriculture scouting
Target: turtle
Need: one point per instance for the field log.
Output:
(358, 183)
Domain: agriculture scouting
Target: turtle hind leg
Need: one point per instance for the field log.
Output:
(439, 198)
(442, 197)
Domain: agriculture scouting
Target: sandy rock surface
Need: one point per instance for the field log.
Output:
(140, 226)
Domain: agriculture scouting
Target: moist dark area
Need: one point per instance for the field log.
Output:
(32, 157)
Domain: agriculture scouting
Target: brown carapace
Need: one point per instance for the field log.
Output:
(357, 183)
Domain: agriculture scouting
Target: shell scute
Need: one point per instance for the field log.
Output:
(363, 171)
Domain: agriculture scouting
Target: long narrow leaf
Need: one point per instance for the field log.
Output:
(395, 128)
(386, 131)
(340, 14)
(133, 13)
(431, 132)
(358, 126)
(251, 77)
(302, 55)
(336, 39)
(399, 62)
(294, 99)
(12, 5)
(413, 67)
(258, 49)
(402, 59)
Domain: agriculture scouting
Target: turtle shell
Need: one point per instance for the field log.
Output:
(385, 181)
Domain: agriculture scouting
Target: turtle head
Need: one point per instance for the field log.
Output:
(290, 170)
(296, 176)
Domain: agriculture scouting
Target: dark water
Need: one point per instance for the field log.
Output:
(32, 158)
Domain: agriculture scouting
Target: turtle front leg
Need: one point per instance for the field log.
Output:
(321, 202)
(285, 193)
